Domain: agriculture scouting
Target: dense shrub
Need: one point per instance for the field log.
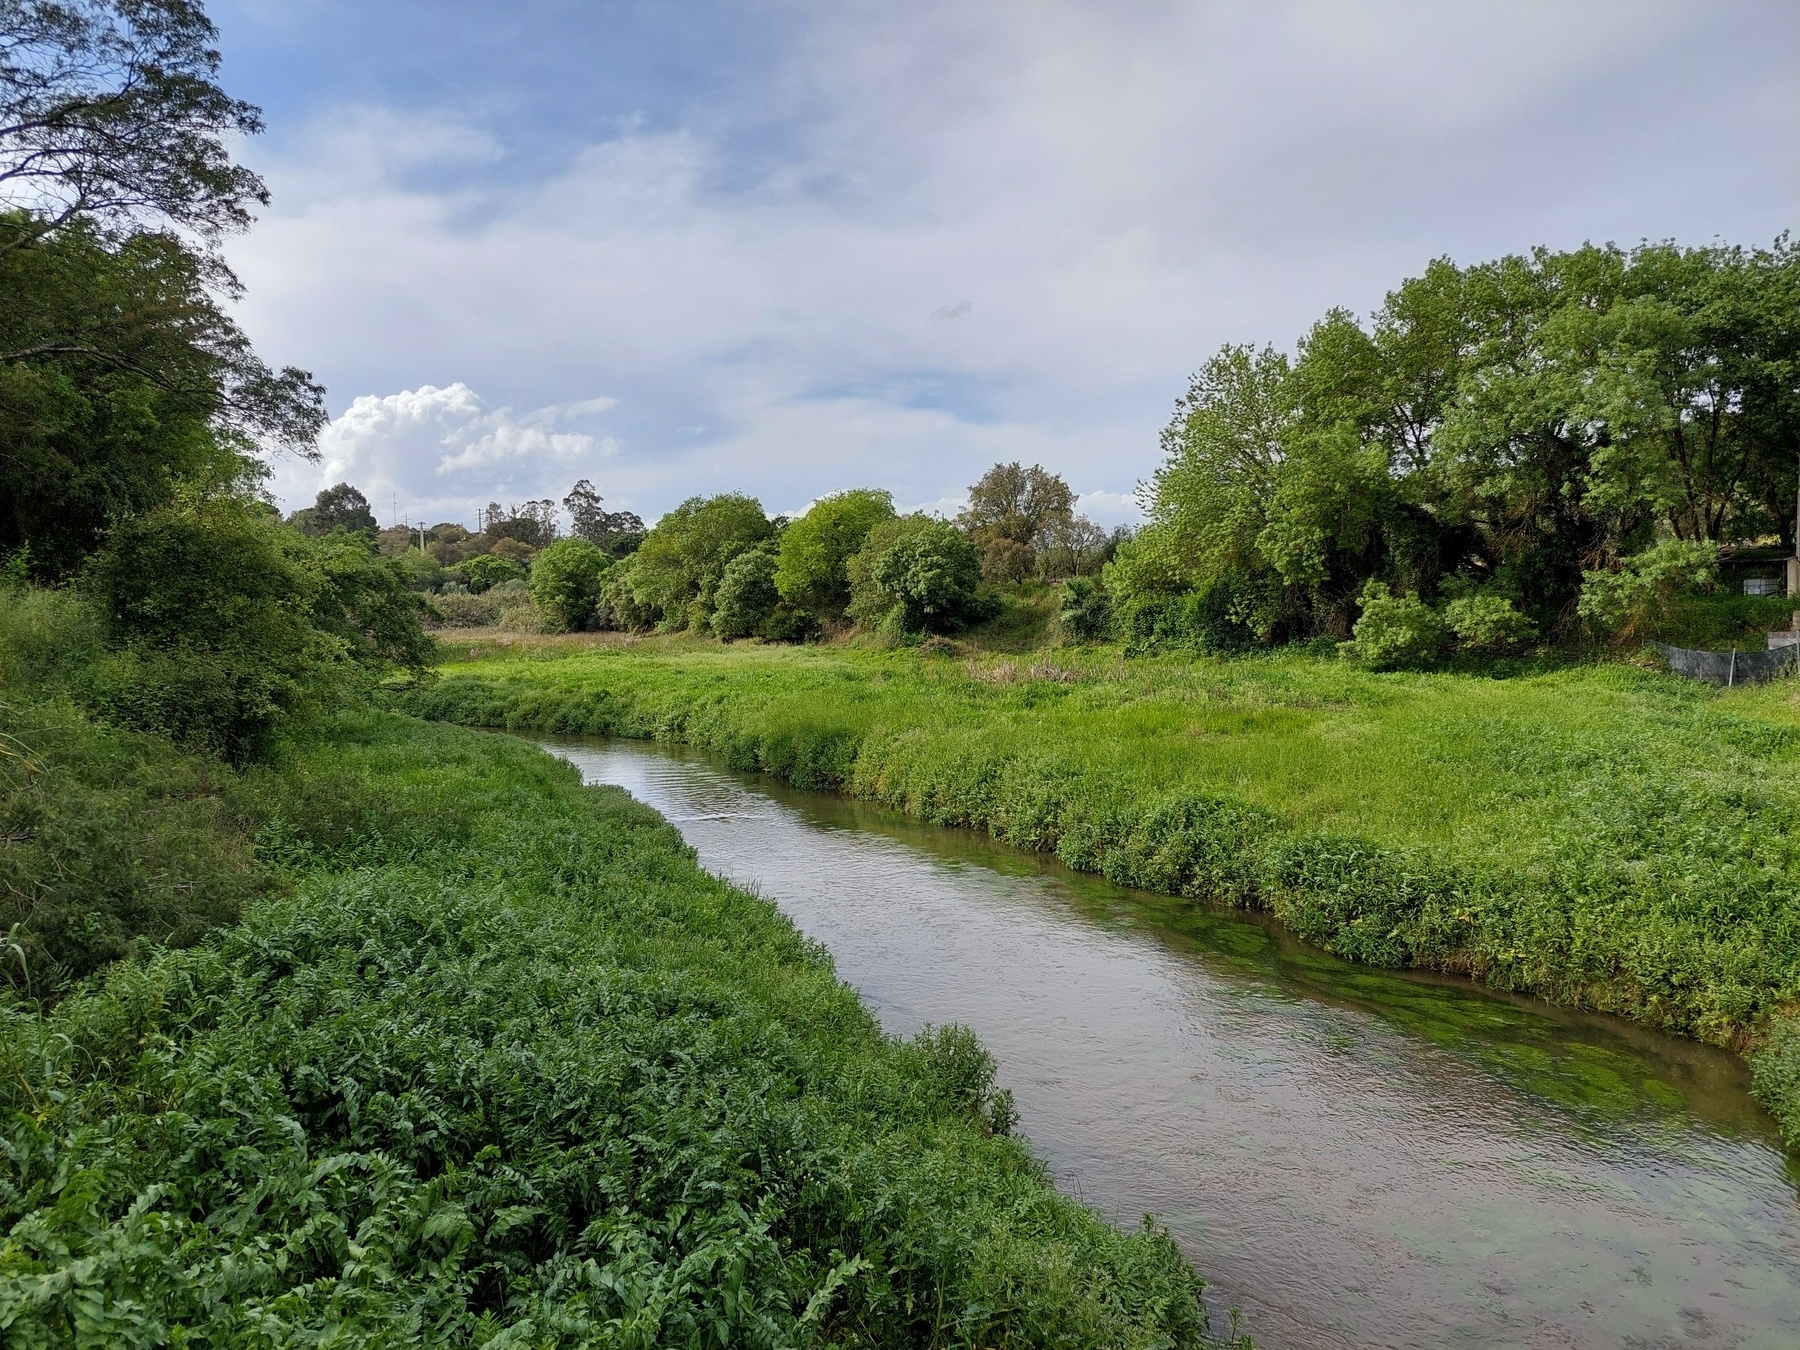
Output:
(565, 582)
(929, 579)
(1209, 621)
(618, 606)
(1487, 623)
(227, 623)
(465, 609)
(485, 571)
(212, 614)
(1638, 594)
(678, 567)
(1395, 630)
(1084, 613)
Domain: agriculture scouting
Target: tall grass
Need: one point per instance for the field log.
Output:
(1604, 836)
(503, 1066)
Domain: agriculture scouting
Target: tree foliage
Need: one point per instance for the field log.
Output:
(110, 111)
(121, 378)
(748, 594)
(678, 567)
(928, 579)
(227, 624)
(816, 549)
(1509, 428)
(339, 507)
(565, 581)
(617, 532)
(1012, 514)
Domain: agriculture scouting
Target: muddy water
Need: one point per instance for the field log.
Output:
(1351, 1157)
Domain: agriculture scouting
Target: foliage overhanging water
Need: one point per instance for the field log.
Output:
(1351, 1156)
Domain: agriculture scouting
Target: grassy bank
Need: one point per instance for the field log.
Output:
(489, 1060)
(1604, 836)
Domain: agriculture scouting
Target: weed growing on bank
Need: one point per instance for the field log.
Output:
(503, 1065)
(1602, 836)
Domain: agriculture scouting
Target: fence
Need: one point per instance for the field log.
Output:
(1733, 667)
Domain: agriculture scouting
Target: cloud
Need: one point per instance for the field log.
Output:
(439, 452)
(1119, 188)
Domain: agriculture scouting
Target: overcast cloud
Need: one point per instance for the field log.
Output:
(795, 248)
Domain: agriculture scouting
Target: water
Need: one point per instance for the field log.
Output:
(1351, 1157)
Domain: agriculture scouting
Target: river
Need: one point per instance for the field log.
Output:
(1351, 1157)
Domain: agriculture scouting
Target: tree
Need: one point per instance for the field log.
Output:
(339, 507)
(110, 111)
(1009, 515)
(590, 520)
(565, 581)
(816, 549)
(532, 523)
(1223, 453)
(929, 577)
(678, 567)
(747, 593)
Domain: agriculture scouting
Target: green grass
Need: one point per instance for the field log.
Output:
(1602, 835)
(503, 1066)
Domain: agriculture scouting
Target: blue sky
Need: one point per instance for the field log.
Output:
(791, 248)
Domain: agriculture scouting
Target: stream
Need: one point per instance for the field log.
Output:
(1352, 1157)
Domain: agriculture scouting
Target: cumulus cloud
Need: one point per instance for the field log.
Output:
(437, 453)
(1109, 192)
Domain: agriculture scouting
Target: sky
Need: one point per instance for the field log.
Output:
(789, 248)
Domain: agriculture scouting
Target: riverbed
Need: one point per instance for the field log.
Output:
(1351, 1157)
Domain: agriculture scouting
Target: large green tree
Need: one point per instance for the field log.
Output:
(678, 567)
(812, 565)
(111, 113)
(1508, 426)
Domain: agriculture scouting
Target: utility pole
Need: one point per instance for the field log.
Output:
(1793, 564)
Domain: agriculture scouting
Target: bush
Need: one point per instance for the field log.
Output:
(1206, 621)
(1631, 599)
(462, 609)
(1395, 631)
(678, 567)
(618, 606)
(484, 571)
(214, 618)
(929, 579)
(1488, 623)
(565, 582)
(1085, 613)
(747, 594)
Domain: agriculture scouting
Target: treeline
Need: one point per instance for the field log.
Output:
(1543, 448)
(721, 566)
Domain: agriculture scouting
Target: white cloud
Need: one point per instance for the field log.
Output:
(1086, 199)
(434, 453)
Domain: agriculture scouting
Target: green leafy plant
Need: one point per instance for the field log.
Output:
(565, 581)
(1395, 631)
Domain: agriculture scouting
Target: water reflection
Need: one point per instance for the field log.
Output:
(1353, 1157)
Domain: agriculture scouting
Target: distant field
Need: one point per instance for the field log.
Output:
(1603, 835)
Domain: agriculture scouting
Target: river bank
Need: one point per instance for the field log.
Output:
(1356, 1157)
(489, 1056)
(1602, 836)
